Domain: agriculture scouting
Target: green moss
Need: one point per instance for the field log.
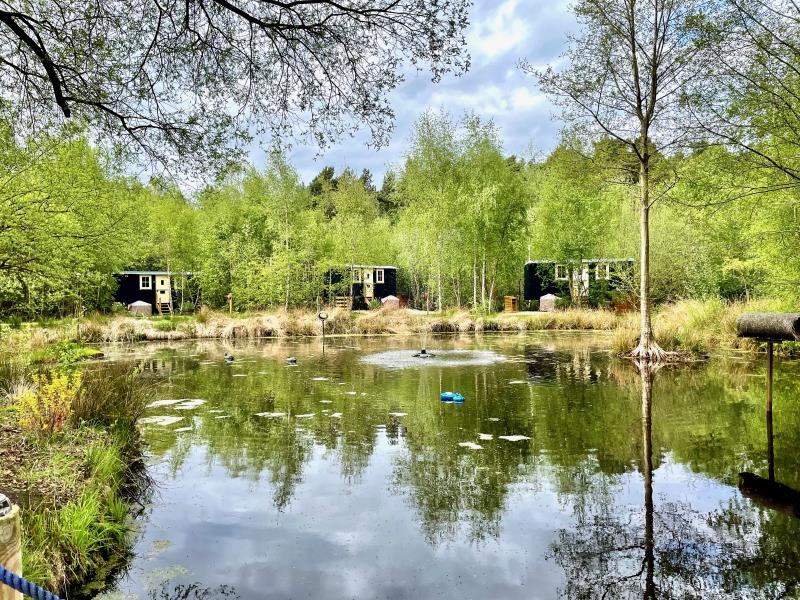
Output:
(64, 353)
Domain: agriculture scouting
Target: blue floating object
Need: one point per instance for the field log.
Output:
(451, 397)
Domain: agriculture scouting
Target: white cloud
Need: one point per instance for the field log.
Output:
(498, 34)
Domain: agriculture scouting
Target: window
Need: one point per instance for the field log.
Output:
(561, 273)
(603, 271)
(145, 282)
(162, 282)
(378, 275)
(356, 275)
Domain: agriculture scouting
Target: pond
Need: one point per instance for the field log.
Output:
(560, 475)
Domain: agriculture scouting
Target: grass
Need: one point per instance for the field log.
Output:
(74, 486)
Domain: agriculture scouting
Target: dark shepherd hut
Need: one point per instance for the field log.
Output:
(595, 280)
(366, 283)
(157, 288)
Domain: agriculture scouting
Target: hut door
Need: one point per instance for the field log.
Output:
(163, 293)
(369, 290)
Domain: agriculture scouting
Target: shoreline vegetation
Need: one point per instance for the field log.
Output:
(693, 328)
(70, 457)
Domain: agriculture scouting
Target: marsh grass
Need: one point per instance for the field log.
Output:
(699, 327)
(112, 395)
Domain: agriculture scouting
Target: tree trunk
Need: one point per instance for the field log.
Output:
(483, 281)
(647, 349)
(474, 277)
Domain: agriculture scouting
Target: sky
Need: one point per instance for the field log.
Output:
(501, 33)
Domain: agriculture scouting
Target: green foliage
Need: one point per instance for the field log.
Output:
(46, 407)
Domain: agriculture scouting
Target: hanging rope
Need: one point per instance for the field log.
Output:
(24, 586)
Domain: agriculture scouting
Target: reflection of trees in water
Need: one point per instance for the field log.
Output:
(587, 439)
(669, 550)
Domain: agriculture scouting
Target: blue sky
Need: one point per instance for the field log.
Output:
(501, 33)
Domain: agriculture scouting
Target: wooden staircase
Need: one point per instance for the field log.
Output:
(164, 307)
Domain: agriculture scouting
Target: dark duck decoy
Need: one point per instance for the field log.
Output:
(424, 354)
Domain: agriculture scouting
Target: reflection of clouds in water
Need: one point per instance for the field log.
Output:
(405, 359)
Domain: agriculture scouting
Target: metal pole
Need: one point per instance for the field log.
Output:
(10, 545)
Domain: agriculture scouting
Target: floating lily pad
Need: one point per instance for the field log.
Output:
(190, 404)
(470, 445)
(163, 420)
(271, 414)
(513, 438)
(485, 436)
(305, 416)
(397, 414)
(160, 403)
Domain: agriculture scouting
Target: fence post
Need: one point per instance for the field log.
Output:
(10, 549)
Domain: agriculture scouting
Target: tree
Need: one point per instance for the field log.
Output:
(187, 79)
(626, 72)
(750, 98)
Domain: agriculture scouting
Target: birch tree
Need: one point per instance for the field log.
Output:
(625, 73)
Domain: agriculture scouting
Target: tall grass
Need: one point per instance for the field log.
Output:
(698, 327)
(80, 541)
(115, 394)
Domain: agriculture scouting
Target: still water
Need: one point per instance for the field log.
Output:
(562, 475)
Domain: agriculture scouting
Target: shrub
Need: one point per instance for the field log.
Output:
(15, 322)
(46, 407)
(118, 308)
(187, 307)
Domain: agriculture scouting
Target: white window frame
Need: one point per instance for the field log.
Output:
(606, 270)
(142, 279)
(356, 275)
(379, 276)
(564, 277)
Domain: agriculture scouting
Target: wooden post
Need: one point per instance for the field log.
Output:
(769, 377)
(770, 449)
(230, 303)
(10, 550)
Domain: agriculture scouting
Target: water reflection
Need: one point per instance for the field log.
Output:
(619, 483)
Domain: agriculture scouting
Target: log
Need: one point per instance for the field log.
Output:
(771, 494)
(777, 327)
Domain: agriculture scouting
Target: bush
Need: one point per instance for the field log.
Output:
(118, 308)
(46, 407)
(187, 307)
(15, 322)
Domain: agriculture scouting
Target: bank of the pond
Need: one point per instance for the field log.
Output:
(696, 327)
(70, 457)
